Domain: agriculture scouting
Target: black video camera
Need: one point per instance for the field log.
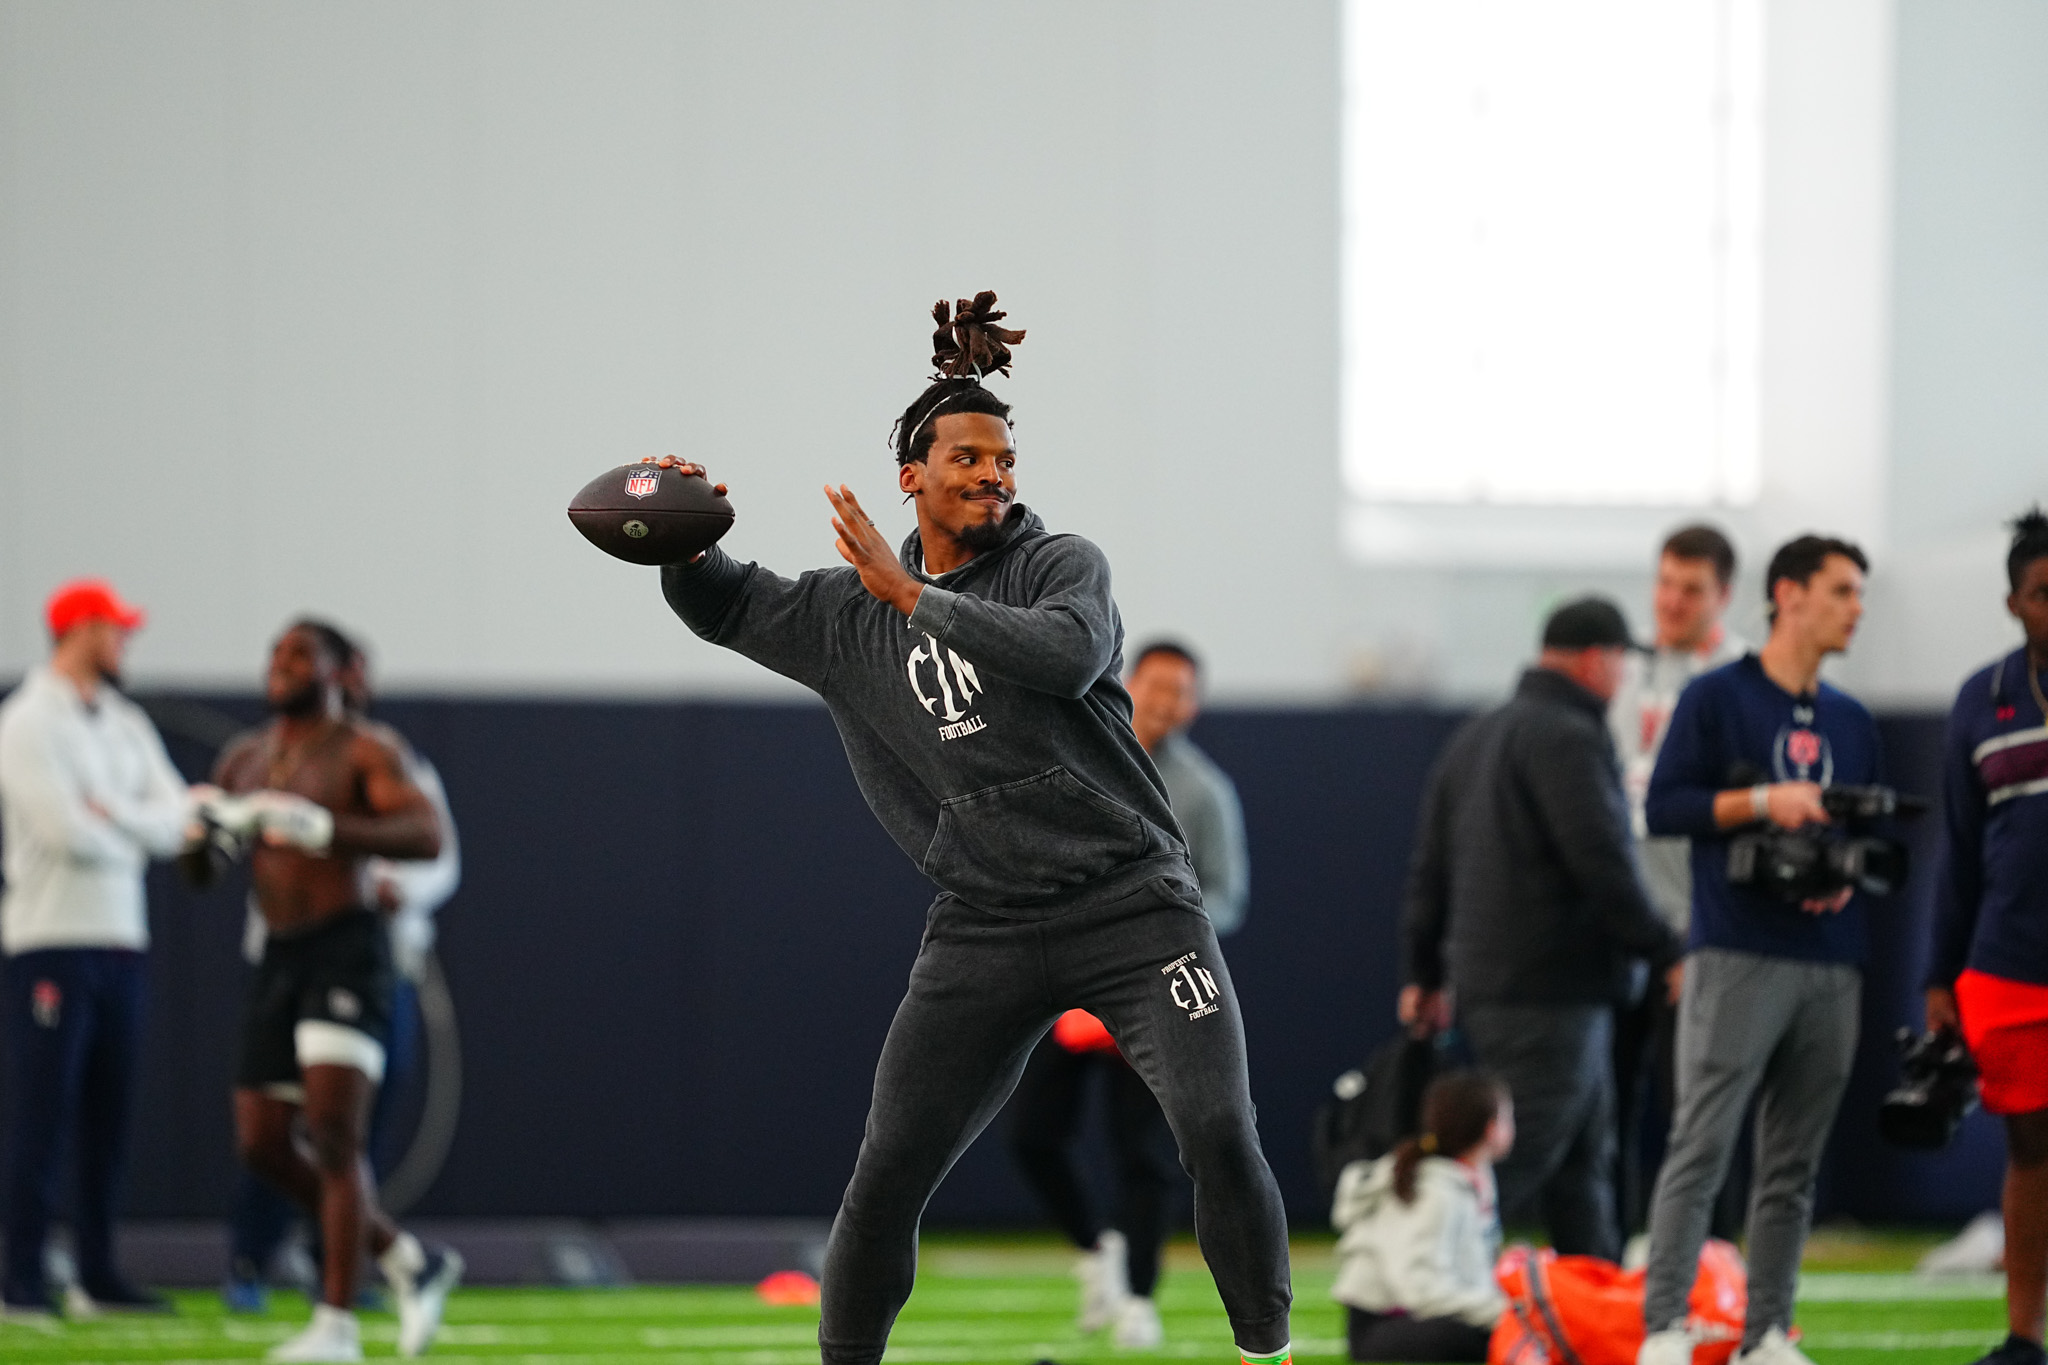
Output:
(1814, 862)
(1937, 1089)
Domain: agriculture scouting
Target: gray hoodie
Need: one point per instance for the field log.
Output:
(988, 732)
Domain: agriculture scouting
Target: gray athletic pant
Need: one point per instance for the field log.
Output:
(1785, 1031)
(983, 991)
(1557, 1061)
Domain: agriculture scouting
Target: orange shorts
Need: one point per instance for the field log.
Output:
(2005, 1022)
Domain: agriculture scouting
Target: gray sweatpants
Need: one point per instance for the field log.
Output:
(1784, 1031)
(983, 991)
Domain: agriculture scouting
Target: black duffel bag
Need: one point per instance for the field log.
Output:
(1373, 1107)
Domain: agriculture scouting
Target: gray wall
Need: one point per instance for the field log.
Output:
(333, 307)
(1970, 334)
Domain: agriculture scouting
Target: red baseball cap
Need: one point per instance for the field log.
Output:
(89, 599)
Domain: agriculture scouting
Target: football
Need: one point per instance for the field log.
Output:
(645, 514)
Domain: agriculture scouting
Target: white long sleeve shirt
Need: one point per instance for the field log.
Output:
(1637, 718)
(1429, 1259)
(424, 884)
(87, 797)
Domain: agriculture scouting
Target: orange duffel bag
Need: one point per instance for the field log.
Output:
(1581, 1310)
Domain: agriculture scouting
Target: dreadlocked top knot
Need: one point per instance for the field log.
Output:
(967, 347)
(968, 344)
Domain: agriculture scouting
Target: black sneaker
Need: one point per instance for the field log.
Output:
(2015, 1350)
(120, 1295)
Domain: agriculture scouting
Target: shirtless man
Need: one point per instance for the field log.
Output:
(312, 796)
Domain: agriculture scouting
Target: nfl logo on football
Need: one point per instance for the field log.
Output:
(640, 485)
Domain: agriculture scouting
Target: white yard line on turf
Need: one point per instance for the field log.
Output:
(1849, 1287)
(1899, 1341)
(968, 1354)
(910, 1355)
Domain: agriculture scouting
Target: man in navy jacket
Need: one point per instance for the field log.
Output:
(1772, 989)
(1988, 977)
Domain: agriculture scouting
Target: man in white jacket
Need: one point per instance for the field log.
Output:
(87, 798)
(1695, 582)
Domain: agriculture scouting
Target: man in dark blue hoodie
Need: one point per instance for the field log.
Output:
(973, 675)
(1771, 988)
(1988, 977)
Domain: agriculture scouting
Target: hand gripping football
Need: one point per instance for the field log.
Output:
(645, 514)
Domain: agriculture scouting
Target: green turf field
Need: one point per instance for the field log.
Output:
(978, 1299)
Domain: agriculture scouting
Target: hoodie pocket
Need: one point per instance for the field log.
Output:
(1024, 841)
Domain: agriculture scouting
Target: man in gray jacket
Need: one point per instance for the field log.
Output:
(1119, 1267)
(973, 676)
(1524, 898)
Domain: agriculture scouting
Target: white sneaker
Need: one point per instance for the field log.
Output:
(1672, 1346)
(1105, 1283)
(421, 1281)
(1138, 1327)
(1775, 1349)
(332, 1335)
(41, 1318)
(1978, 1249)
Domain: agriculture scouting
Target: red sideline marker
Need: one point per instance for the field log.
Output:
(788, 1289)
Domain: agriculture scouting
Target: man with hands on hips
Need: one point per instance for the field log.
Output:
(1772, 988)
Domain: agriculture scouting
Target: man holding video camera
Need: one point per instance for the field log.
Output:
(1772, 983)
(1988, 979)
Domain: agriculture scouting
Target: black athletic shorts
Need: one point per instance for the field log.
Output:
(336, 976)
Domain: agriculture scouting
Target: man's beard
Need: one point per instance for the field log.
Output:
(983, 536)
(300, 704)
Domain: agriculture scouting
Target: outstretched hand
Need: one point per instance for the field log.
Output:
(873, 558)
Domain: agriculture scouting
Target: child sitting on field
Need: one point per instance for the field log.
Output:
(1421, 1230)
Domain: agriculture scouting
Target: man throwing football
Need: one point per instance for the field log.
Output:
(973, 675)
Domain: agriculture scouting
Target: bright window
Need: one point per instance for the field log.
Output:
(1551, 233)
